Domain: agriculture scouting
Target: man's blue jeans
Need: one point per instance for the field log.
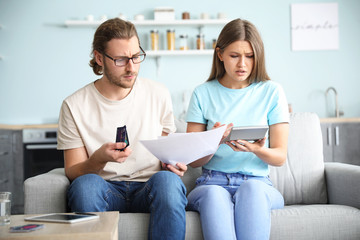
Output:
(234, 206)
(163, 196)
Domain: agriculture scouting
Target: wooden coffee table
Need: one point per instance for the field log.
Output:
(104, 228)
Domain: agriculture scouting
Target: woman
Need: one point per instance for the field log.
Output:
(234, 195)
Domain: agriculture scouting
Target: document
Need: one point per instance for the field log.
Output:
(185, 147)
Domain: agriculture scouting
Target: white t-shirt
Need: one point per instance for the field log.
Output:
(89, 119)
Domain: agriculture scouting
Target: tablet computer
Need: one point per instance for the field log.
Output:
(62, 217)
(250, 133)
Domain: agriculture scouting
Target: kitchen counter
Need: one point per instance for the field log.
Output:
(55, 125)
(338, 120)
(19, 127)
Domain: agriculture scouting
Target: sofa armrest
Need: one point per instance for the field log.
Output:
(46, 193)
(342, 182)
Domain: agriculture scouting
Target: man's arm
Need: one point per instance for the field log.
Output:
(78, 163)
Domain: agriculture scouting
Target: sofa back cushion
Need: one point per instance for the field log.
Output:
(301, 180)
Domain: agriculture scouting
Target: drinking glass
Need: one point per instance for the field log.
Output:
(5, 208)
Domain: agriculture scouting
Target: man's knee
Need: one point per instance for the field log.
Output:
(85, 192)
(168, 188)
(86, 187)
(168, 180)
(86, 182)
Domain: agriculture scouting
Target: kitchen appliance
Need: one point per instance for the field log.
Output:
(40, 153)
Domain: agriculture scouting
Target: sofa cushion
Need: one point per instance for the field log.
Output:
(301, 180)
(292, 222)
(318, 221)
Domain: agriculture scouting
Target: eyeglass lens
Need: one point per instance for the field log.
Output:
(125, 60)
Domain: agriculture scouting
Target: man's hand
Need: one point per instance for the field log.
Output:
(77, 162)
(179, 170)
(108, 153)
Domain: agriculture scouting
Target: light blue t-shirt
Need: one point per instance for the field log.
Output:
(261, 103)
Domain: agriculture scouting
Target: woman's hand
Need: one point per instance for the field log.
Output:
(227, 131)
(276, 154)
(245, 146)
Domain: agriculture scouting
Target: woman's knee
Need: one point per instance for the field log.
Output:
(255, 191)
(210, 198)
(253, 188)
(209, 194)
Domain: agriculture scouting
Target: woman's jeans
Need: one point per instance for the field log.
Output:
(163, 195)
(234, 206)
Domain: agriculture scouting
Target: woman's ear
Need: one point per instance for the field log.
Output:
(98, 58)
(219, 53)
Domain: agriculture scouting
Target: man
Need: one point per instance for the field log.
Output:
(103, 177)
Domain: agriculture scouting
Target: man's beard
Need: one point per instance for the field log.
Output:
(118, 80)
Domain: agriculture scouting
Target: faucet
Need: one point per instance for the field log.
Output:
(338, 113)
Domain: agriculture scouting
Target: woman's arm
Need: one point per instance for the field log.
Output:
(199, 127)
(276, 154)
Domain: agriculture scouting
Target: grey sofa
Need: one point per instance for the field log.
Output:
(322, 200)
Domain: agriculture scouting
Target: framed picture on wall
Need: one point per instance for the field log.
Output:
(314, 26)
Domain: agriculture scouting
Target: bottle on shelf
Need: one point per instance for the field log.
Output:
(200, 42)
(154, 35)
(170, 39)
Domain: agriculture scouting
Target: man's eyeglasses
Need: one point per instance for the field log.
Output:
(123, 61)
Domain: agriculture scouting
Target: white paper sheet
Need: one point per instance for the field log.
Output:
(185, 147)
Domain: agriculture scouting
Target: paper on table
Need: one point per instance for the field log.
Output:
(185, 148)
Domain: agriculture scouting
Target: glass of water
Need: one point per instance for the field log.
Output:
(5, 207)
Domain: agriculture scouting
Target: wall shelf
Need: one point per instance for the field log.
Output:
(160, 53)
(187, 22)
(199, 23)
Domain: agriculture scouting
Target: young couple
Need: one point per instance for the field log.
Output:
(234, 195)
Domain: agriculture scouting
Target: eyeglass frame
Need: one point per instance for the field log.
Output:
(128, 58)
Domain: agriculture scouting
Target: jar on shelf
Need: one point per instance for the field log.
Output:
(185, 15)
(200, 42)
(170, 39)
(154, 35)
(184, 42)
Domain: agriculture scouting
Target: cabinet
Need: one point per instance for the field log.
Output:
(341, 142)
(11, 170)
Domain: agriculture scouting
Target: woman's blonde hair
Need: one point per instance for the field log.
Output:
(240, 30)
(111, 29)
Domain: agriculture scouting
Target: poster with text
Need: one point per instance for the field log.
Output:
(314, 26)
